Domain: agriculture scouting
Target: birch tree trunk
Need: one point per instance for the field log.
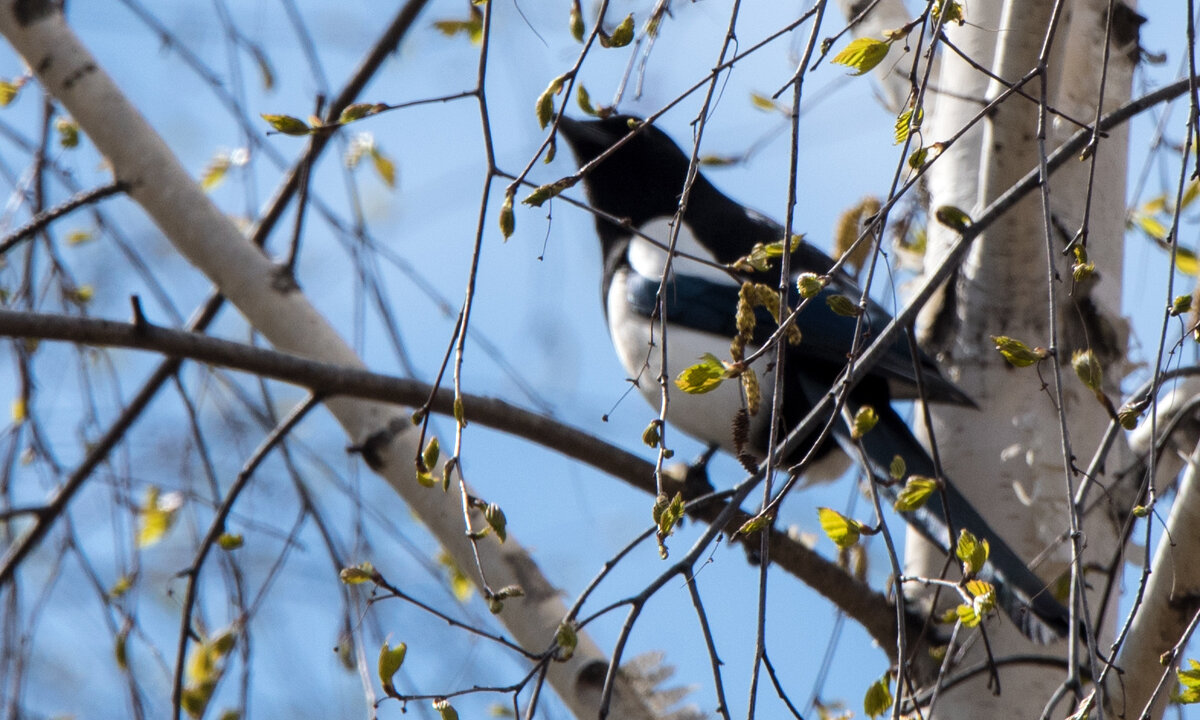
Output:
(1010, 456)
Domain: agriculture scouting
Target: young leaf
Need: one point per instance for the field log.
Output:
(705, 376)
(576, 21)
(810, 284)
(8, 91)
(496, 521)
(445, 710)
(916, 491)
(584, 100)
(863, 54)
(879, 697)
(385, 168)
(971, 552)
(667, 515)
(156, 516)
(1017, 353)
(1087, 369)
(287, 124)
(545, 192)
(621, 35)
(905, 123)
(952, 217)
(566, 639)
(1181, 305)
(68, 132)
(358, 574)
(897, 469)
(390, 660)
(864, 421)
(508, 221)
(843, 531)
(844, 306)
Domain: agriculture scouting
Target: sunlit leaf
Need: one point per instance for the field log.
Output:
(916, 492)
(390, 660)
(863, 54)
(287, 124)
(385, 168)
(971, 551)
(157, 515)
(879, 697)
(843, 531)
(705, 376)
(1017, 353)
(864, 421)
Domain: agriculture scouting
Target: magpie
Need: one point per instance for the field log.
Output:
(636, 191)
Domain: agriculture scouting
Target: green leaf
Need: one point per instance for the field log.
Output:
(811, 284)
(971, 552)
(545, 192)
(544, 108)
(916, 491)
(508, 221)
(756, 524)
(621, 35)
(1186, 262)
(445, 709)
(1017, 353)
(705, 376)
(843, 531)
(9, 90)
(1087, 368)
(667, 513)
(1081, 269)
(358, 574)
(496, 521)
(390, 660)
(952, 217)
(879, 697)
(431, 453)
(576, 21)
(968, 616)
(156, 516)
(472, 27)
(460, 584)
(952, 9)
(358, 111)
(566, 639)
(1190, 680)
(1190, 193)
(584, 100)
(905, 122)
(844, 306)
(385, 168)
(230, 541)
(897, 469)
(864, 421)
(863, 54)
(766, 104)
(68, 132)
(215, 171)
(1181, 305)
(287, 124)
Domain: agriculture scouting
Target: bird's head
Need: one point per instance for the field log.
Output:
(639, 181)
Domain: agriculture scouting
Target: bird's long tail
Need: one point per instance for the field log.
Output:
(1019, 592)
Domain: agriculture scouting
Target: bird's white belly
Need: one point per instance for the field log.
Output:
(707, 417)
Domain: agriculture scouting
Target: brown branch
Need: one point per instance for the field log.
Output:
(857, 599)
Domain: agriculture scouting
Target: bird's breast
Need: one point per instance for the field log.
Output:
(638, 340)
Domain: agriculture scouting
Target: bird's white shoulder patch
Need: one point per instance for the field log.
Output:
(648, 259)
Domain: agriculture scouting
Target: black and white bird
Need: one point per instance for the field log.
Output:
(640, 184)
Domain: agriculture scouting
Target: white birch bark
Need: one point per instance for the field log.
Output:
(213, 244)
(1007, 456)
